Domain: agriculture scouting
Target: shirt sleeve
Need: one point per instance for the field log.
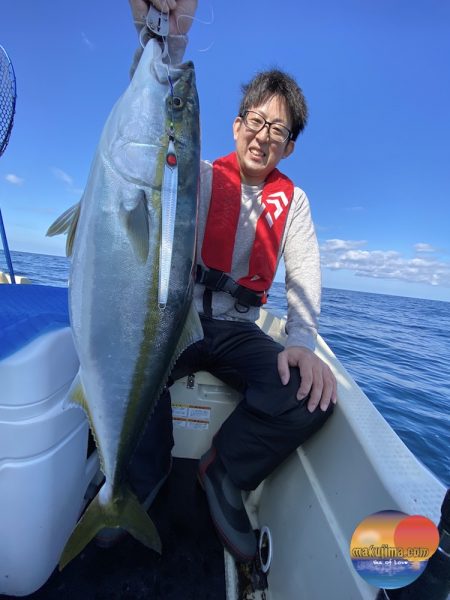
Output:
(303, 276)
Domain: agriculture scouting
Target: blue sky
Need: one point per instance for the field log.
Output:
(374, 158)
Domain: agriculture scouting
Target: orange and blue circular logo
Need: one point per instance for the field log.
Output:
(390, 549)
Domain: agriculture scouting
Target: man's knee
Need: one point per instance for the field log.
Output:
(303, 423)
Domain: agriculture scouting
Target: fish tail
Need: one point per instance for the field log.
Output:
(122, 511)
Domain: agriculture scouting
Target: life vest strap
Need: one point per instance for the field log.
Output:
(218, 281)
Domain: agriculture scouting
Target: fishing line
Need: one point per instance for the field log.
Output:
(143, 26)
(197, 19)
(211, 21)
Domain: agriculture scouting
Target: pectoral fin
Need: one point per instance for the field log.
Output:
(138, 227)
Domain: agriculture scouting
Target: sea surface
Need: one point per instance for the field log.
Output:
(396, 348)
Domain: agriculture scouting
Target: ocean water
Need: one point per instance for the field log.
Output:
(396, 348)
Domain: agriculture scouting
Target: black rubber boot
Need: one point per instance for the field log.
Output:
(227, 508)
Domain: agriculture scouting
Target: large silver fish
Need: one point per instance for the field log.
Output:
(131, 282)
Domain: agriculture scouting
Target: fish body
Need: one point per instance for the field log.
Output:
(126, 337)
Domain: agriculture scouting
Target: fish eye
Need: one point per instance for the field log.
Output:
(177, 102)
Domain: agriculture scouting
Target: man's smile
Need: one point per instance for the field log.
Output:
(257, 152)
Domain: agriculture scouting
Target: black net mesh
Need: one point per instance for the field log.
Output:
(7, 98)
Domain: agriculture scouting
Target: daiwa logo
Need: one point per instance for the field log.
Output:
(280, 201)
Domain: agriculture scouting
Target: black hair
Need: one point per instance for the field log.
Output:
(271, 83)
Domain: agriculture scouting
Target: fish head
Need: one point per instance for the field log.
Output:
(182, 108)
(183, 124)
(160, 102)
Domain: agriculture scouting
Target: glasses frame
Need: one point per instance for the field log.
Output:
(266, 122)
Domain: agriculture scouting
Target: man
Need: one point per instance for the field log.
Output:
(288, 393)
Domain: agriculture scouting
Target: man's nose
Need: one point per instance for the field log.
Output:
(264, 133)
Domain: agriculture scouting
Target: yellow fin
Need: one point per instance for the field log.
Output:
(122, 511)
(76, 394)
(192, 332)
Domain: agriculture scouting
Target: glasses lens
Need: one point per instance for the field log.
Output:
(279, 133)
(254, 121)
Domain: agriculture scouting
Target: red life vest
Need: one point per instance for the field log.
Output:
(223, 217)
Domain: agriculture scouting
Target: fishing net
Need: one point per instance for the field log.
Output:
(7, 98)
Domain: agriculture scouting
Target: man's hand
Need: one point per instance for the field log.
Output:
(315, 374)
(180, 17)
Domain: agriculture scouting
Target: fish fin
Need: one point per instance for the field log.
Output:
(66, 223)
(87, 527)
(76, 394)
(137, 223)
(136, 521)
(192, 332)
(122, 511)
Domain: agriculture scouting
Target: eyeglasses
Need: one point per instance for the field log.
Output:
(255, 122)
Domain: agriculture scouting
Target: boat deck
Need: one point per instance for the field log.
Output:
(190, 567)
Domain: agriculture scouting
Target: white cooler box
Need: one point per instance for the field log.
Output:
(44, 471)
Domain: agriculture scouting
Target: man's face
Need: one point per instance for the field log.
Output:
(257, 154)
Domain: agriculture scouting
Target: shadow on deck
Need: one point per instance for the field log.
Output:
(190, 567)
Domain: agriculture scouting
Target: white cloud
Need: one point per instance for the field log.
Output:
(331, 245)
(68, 180)
(385, 264)
(419, 248)
(14, 179)
(86, 41)
(62, 176)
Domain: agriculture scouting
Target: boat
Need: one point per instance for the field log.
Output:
(6, 278)
(306, 511)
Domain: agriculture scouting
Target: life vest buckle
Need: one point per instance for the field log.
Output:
(219, 281)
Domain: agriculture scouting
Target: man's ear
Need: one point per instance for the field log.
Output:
(290, 146)
(237, 124)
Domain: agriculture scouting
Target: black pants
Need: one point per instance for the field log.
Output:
(265, 427)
